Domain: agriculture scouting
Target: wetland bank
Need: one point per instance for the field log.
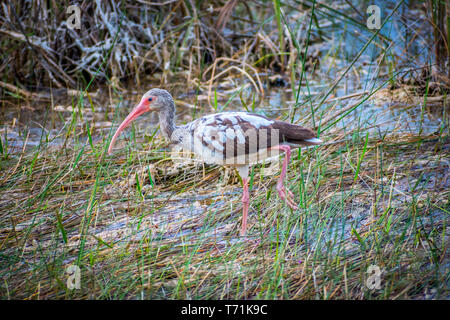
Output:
(143, 224)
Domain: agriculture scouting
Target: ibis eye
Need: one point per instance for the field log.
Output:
(149, 99)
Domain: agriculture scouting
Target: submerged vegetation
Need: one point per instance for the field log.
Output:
(143, 224)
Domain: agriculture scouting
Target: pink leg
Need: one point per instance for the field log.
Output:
(286, 195)
(245, 203)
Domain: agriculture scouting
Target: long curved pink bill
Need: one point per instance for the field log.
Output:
(140, 109)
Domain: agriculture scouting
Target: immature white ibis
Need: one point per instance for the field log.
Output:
(236, 139)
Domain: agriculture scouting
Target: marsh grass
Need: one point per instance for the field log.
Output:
(140, 225)
(363, 202)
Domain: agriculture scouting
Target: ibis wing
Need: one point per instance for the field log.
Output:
(231, 137)
(295, 134)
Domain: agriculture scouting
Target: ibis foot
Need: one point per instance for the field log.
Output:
(287, 196)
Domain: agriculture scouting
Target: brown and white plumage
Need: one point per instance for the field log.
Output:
(237, 139)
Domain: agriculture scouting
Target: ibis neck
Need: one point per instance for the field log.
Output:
(167, 122)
